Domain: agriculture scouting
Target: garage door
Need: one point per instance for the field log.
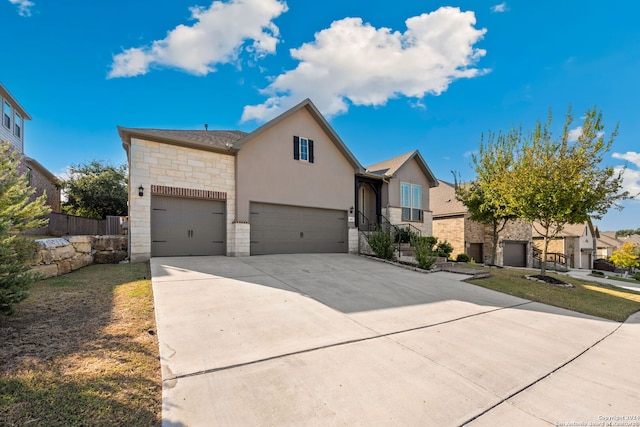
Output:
(281, 229)
(515, 254)
(182, 227)
(475, 252)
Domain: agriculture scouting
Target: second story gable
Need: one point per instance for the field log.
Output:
(13, 117)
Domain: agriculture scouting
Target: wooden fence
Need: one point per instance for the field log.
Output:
(69, 225)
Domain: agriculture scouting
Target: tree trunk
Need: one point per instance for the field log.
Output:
(545, 248)
(494, 245)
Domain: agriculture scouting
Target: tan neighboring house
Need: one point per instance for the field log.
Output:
(451, 223)
(576, 241)
(12, 130)
(607, 243)
(287, 187)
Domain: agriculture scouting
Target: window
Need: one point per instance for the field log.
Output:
(6, 119)
(411, 202)
(17, 126)
(303, 149)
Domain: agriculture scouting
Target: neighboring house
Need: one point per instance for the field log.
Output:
(451, 223)
(607, 243)
(576, 241)
(13, 118)
(43, 181)
(397, 189)
(287, 187)
(12, 130)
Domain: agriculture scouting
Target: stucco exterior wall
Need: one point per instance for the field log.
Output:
(411, 174)
(267, 171)
(161, 164)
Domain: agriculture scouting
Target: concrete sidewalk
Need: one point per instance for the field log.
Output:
(586, 275)
(342, 340)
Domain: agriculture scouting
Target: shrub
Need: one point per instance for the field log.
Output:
(423, 248)
(381, 244)
(637, 276)
(404, 236)
(463, 258)
(444, 249)
(597, 273)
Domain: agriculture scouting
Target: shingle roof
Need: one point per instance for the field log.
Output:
(569, 230)
(391, 166)
(222, 139)
(608, 241)
(388, 168)
(443, 202)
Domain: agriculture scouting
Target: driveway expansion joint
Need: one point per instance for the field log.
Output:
(342, 343)
(528, 386)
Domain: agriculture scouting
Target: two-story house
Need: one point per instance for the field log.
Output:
(12, 130)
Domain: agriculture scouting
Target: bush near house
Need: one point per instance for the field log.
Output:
(463, 258)
(381, 243)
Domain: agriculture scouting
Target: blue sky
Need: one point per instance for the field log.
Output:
(390, 77)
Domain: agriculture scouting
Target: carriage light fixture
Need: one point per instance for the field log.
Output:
(141, 191)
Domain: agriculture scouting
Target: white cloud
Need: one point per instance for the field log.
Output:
(630, 177)
(574, 134)
(217, 37)
(499, 8)
(353, 62)
(24, 6)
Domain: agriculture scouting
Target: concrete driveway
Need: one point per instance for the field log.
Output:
(341, 340)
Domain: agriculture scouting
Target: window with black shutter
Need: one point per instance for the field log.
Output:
(303, 149)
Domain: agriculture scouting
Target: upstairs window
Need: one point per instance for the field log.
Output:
(411, 202)
(17, 126)
(6, 119)
(303, 149)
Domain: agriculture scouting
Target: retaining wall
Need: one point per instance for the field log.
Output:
(61, 255)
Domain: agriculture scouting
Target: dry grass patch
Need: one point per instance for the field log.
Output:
(82, 351)
(592, 298)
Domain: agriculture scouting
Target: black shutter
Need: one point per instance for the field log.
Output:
(296, 148)
(310, 151)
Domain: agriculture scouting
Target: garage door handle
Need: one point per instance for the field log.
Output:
(301, 234)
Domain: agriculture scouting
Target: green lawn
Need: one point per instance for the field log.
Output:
(587, 297)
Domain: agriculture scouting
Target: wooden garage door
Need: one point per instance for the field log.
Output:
(515, 254)
(182, 227)
(281, 229)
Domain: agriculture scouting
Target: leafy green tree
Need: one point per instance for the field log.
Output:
(486, 197)
(17, 213)
(95, 190)
(627, 256)
(624, 233)
(560, 182)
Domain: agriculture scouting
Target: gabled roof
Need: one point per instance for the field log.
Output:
(607, 241)
(209, 140)
(34, 164)
(443, 202)
(389, 168)
(4, 92)
(319, 118)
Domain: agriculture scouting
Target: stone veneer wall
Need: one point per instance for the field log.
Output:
(181, 167)
(517, 230)
(63, 255)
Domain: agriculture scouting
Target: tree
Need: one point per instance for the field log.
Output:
(486, 198)
(95, 190)
(16, 214)
(626, 256)
(560, 182)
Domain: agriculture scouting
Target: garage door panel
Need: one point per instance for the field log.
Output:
(182, 226)
(293, 229)
(515, 254)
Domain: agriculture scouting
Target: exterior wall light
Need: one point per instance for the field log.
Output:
(141, 191)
